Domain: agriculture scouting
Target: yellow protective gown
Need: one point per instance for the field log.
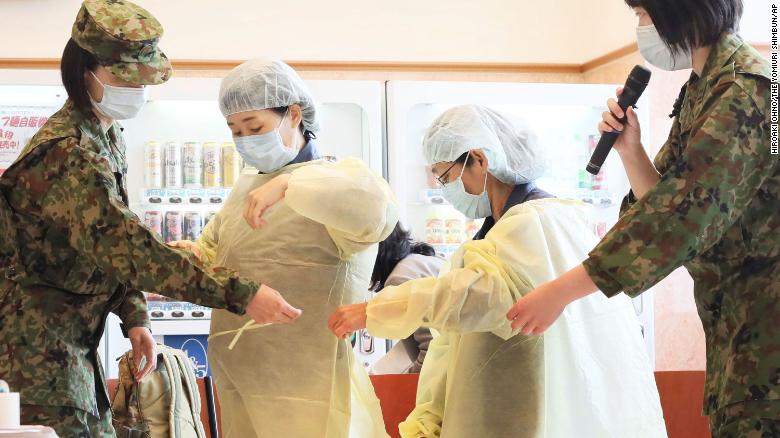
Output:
(588, 376)
(317, 249)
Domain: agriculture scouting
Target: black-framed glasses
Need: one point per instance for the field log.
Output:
(441, 178)
(463, 158)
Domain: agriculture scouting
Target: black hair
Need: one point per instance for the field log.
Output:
(75, 64)
(685, 25)
(462, 159)
(396, 247)
(307, 135)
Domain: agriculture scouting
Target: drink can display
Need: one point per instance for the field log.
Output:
(454, 230)
(212, 165)
(434, 230)
(584, 178)
(209, 216)
(153, 220)
(193, 225)
(472, 228)
(153, 165)
(601, 229)
(598, 180)
(173, 226)
(173, 165)
(192, 159)
(231, 164)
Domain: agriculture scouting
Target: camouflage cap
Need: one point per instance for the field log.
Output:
(123, 37)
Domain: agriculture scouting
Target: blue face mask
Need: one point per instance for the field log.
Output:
(265, 152)
(472, 206)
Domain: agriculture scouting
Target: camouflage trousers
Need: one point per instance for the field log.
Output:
(69, 422)
(747, 420)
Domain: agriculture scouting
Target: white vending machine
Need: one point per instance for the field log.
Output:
(183, 116)
(564, 116)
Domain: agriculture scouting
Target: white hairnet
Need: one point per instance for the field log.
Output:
(260, 84)
(514, 155)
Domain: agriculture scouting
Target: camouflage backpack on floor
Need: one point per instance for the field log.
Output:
(166, 404)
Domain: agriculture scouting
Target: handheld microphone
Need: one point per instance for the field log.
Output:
(635, 85)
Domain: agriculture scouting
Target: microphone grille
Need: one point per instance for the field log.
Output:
(641, 74)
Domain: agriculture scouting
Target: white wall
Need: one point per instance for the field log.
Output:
(503, 31)
(756, 20)
(512, 31)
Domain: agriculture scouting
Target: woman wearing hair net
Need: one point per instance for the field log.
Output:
(309, 227)
(481, 378)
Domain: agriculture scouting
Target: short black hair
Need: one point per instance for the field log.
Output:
(307, 135)
(462, 159)
(396, 247)
(688, 24)
(75, 63)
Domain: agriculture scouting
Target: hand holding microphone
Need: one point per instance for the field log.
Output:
(629, 131)
(620, 117)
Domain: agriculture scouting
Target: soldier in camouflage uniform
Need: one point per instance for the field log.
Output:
(71, 251)
(712, 207)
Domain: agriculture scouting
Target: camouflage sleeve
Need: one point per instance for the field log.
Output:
(105, 231)
(699, 197)
(662, 161)
(133, 311)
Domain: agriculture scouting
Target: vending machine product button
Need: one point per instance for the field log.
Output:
(177, 314)
(157, 314)
(198, 314)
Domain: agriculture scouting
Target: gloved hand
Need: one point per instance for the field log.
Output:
(143, 347)
(262, 198)
(348, 319)
(268, 307)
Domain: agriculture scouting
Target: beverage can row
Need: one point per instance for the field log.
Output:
(177, 225)
(192, 165)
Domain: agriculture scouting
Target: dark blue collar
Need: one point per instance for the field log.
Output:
(307, 153)
(520, 194)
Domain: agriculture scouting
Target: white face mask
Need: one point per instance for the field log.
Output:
(472, 206)
(265, 152)
(653, 49)
(120, 103)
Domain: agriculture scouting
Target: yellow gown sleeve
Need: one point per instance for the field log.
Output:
(472, 297)
(352, 202)
(207, 242)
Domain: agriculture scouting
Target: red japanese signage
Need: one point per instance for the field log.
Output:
(17, 125)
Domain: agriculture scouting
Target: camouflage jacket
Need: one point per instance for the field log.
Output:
(714, 211)
(70, 252)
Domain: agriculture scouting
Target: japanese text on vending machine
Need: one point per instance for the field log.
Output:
(17, 126)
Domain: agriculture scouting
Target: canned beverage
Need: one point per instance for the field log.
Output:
(173, 226)
(209, 216)
(173, 165)
(153, 165)
(212, 167)
(472, 228)
(193, 225)
(153, 220)
(231, 164)
(599, 182)
(454, 230)
(601, 229)
(192, 157)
